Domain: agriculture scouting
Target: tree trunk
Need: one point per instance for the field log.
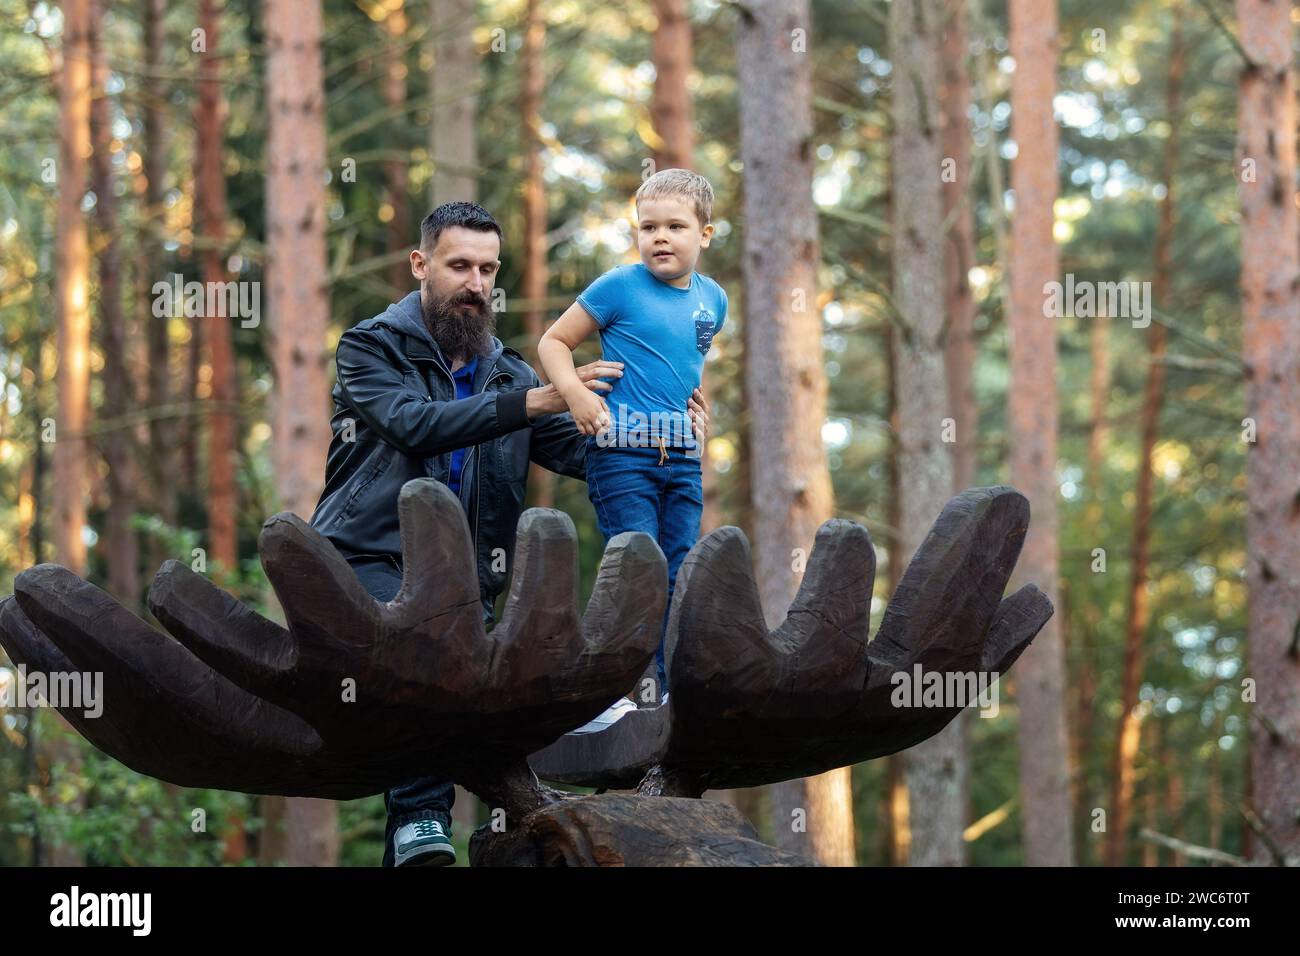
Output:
(1139, 607)
(120, 544)
(401, 231)
(454, 82)
(959, 303)
(1271, 341)
(223, 437)
(1033, 261)
(896, 796)
(541, 483)
(162, 455)
(671, 113)
(299, 312)
(72, 303)
(72, 290)
(786, 383)
(210, 184)
(672, 116)
(188, 426)
(935, 767)
(959, 343)
(1085, 709)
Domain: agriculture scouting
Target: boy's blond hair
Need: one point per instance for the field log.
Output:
(680, 184)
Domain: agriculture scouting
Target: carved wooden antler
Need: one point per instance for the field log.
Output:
(237, 702)
(749, 706)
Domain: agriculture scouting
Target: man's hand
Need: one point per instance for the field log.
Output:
(547, 399)
(698, 409)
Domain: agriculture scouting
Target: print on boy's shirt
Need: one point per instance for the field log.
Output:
(705, 325)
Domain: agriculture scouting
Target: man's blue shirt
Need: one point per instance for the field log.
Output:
(661, 334)
(464, 379)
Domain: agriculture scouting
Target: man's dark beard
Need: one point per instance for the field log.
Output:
(461, 324)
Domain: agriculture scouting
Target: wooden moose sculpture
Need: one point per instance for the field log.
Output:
(355, 696)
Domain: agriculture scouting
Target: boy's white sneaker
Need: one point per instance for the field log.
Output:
(613, 713)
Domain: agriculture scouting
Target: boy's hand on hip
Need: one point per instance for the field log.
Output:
(590, 413)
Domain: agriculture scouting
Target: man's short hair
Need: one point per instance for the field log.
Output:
(680, 184)
(467, 215)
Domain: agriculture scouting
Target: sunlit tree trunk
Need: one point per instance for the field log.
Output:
(401, 234)
(454, 81)
(935, 767)
(786, 381)
(898, 829)
(1033, 261)
(671, 113)
(959, 302)
(299, 313)
(72, 289)
(223, 438)
(672, 116)
(59, 746)
(162, 453)
(210, 185)
(541, 483)
(120, 544)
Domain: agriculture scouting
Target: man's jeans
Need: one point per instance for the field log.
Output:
(423, 797)
(632, 491)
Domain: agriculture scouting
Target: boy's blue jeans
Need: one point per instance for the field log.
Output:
(423, 797)
(632, 491)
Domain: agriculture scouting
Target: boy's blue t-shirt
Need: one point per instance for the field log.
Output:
(661, 334)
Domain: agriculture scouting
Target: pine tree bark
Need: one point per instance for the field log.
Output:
(401, 231)
(72, 290)
(1085, 708)
(935, 767)
(120, 543)
(786, 382)
(671, 112)
(1270, 296)
(898, 828)
(210, 183)
(959, 343)
(672, 116)
(1034, 261)
(454, 81)
(58, 745)
(959, 302)
(223, 436)
(541, 483)
(162, 455)
(1139, 606)
(299, 312)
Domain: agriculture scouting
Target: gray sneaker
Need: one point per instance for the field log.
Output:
(422, 843)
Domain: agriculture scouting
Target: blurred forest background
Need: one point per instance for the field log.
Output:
(946, 160)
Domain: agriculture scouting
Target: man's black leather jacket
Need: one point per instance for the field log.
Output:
(396, 417)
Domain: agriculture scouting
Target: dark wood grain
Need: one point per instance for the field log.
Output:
(621, 830)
